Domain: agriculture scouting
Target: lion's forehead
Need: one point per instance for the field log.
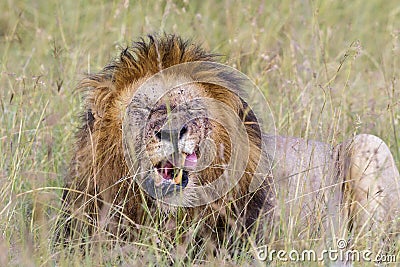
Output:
(170, 87)
(160, 94)
(183, 94)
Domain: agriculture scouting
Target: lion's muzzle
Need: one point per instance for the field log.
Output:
(171, 175)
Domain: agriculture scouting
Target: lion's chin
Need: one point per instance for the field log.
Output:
(169, 195)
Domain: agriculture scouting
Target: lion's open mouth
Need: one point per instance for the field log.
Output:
(178, 175)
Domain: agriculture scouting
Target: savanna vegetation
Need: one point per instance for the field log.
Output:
(329, 69)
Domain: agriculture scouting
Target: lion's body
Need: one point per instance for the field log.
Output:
(312, 176)
(355, 184)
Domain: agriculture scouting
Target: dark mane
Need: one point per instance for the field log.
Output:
(149, 57)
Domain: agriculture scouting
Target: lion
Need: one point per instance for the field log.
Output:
(158, 140)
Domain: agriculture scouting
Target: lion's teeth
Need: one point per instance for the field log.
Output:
(178, 178)
(158, 178)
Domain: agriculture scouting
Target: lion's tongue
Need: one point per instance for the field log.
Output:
(191, 161)
(167, 170)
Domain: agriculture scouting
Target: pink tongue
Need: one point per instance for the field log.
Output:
(191, 161)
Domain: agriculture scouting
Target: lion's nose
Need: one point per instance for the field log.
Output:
(171, 135)
(167, 135)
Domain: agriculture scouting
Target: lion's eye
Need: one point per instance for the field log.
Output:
(183, 131)
(158, 134)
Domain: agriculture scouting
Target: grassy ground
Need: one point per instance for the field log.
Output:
(329, 69)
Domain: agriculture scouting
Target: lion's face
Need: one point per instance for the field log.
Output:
(178, 148)
(185, 136)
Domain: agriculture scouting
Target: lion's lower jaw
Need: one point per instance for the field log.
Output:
(166, 208)
(170, 203)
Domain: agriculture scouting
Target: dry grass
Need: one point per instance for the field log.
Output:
(329, 69)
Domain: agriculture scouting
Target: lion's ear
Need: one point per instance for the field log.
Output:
(97, 90)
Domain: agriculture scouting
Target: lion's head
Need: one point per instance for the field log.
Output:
(181, 144)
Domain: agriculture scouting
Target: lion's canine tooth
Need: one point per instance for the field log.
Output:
(158, 177)
(178, 178)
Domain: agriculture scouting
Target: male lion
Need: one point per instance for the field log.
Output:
(184, 141)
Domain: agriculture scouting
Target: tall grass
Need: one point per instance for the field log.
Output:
(329, 69)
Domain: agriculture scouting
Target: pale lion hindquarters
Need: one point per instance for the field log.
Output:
(354, 185)
(374, 183)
